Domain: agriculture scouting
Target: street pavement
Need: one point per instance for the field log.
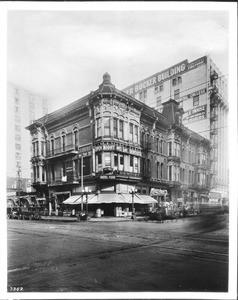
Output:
(189, 255)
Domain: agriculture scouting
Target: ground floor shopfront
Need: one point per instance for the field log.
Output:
(108, 204)
(117, 197)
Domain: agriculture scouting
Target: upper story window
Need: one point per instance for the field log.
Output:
(196, 100)
(16, 92)
(177, 149)
(106, 126)
(158, 101)
(32, 116)
(115, 127)
(42, 148)
(131, 132)
(170, 148)
(107, 159)
(17, 101)
(131, 161)
(121, 129)
(161, 88)
(17, 128)
(174, 81)
(18, 155)
(161, 143)
(17, 137)
(18, 146)
(52, 145)
(176, 94)
(136, 134)
(17, 119)
(145, 94)
(75, 137)
(156, 89)
(98, 128)
(177, 80)
(63, 141)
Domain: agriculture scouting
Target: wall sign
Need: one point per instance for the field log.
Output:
(196, 114)
(157, 78)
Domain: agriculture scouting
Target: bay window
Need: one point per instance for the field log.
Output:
(121, 129)
(107, 159)
(107, 126)
(131, 132)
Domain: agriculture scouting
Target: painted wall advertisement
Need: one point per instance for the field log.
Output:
(195, 114)
(159, 77)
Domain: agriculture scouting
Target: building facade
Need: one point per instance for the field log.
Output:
(23, 107)
(201, 90)
(112, 143)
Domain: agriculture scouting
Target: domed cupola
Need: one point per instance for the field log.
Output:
(106, 87)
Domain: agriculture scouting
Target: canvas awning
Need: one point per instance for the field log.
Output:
(139, 199)
(72, 199)
(79, 200)
(146, 199)
(106, 198)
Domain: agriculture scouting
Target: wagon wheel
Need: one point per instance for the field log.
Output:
(36, 216)
(30, 217)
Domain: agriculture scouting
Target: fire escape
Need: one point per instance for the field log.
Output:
(214, 102)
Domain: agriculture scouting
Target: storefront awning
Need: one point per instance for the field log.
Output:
(72, 199)
(79, 200)
(106, 198)
(139, 199)
(145, 199)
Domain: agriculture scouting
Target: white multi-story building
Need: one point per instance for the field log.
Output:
(23, 107)
(201, 90)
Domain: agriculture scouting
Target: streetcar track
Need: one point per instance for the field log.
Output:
(138, 247)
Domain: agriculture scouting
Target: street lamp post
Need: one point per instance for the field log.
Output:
(133, 191)
(86, 191)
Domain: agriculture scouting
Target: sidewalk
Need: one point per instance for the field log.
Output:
(74, 219)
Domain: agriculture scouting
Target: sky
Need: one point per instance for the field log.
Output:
(62, 55)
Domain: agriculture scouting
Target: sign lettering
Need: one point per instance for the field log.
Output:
(157, 78)
(196, 114)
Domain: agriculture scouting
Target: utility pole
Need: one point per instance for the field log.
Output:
(19, 185)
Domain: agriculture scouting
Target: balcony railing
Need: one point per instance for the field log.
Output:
(60, 180)
(67, 149)
(146, 146)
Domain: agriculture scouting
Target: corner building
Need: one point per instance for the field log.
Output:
(201, 90)
(110, 142)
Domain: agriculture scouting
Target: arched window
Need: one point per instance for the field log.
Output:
(52, 144)
(179, 79)
(174, 82)
(76, 137)
(63, 141)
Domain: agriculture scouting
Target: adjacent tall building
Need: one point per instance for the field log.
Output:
(201, 90)
(111, 143)
(23, 107)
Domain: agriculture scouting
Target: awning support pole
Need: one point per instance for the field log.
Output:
(82, 182)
